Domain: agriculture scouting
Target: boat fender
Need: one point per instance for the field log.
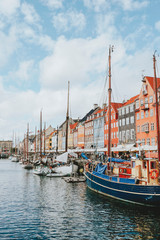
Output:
(154, 173)
(87, 166)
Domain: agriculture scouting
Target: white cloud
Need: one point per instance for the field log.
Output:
(8, 45)
(24, 71)
(130, 5)
(30, 14)
(157, 25)
(9, 7)
(69, 20)
(97, 5)
(72, 60)
(53, 4)
(105, 23)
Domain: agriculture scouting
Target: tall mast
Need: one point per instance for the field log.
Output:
(41, 134)
(15, 145)
(57, 141)
(24, 147)
(157, 107)
(67, 119)
(27, 138)
(109, 104)
(44, 138)
(35, 149)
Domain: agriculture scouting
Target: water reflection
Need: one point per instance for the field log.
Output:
(126, 221)
(34, 207)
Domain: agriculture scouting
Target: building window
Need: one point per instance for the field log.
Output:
(123, 122)
(144, 164)
(137, 104)
(120, 136)
(127, 120)
(127, 110)
(142, 115)
(131, 108)
(123, 111)
(123, 135)
(133, 164)
(120, 122)
(143, 141)
(152, 126)
(153, 165)
(141, 102)
(120, 112)
(150, 99)
(137, 116)
(132, 119)
(132, 134)
(153, 141)
(146, 114)
(138, 128)
(127, 134)
(146, 100)
(151, 113)
(148, 141)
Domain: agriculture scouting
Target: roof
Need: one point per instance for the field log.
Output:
(151, 81)
(115, 106)
(88, 114)
(74, 125)
(131, 100)
(99, 111)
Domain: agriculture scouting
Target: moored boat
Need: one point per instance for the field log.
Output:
(136, 181)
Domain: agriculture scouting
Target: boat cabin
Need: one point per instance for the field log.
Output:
(145, 170)
(125, 172)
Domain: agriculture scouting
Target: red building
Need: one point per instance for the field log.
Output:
(146, 129)
(114, 125)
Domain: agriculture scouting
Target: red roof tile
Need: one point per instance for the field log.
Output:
(74, 125)
(151, 81)
(115, 106)
(131, 100)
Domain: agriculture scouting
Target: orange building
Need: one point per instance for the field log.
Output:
(146, 116)
(80, 135)
(114, 125)
(73, 132)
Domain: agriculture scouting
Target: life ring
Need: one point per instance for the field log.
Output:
(154, 173)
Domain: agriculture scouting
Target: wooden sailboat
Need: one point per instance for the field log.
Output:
(27, 164)
(137, 182)
(65, 170)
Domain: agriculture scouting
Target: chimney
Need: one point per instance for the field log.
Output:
(95, 106)
(104, 106)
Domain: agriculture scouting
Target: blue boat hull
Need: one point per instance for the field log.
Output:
(134, 193)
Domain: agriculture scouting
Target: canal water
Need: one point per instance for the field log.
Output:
(33, 207)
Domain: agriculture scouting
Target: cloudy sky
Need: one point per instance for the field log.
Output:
(46, 43)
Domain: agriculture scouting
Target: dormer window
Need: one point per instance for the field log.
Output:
(144, 89)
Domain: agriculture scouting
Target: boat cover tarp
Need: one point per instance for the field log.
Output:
(115, 179)
(63, 157)
(100, 168)
(84, 156)
(117, 160)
